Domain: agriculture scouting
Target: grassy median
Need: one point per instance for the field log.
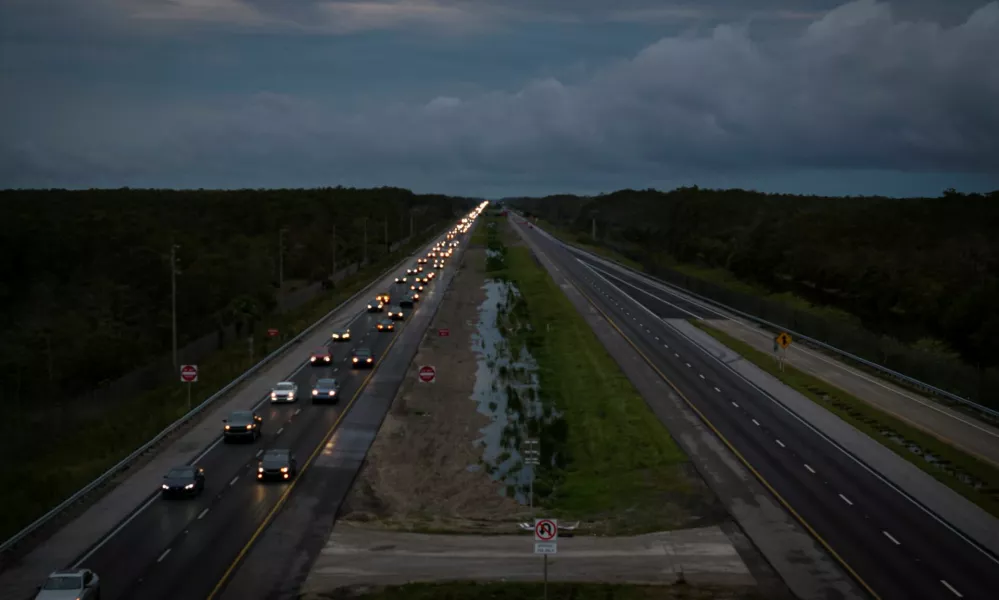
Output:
(51, 471)
(614, 462)
(974, 479)
(523, 591)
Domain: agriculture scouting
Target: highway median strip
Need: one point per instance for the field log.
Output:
(967, 475)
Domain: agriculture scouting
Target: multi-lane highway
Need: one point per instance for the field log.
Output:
(182, 548)
(895, 548)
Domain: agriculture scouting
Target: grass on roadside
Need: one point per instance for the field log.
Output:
(958, 469)
(623, 469)
(470, 590)
(51, 471)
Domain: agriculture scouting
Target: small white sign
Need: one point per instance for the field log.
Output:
(546, 547)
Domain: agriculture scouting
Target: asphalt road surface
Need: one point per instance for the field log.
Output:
(897, 549)
(180, 548)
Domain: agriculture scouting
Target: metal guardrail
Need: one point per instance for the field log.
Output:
(125, 462)
(853, 357)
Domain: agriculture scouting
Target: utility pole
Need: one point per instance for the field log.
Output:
(365, 261)
(593, 231)
(410, 224)
(334, 252)
(386, 235)
(173, 300)
(532, 458)
(281, 258)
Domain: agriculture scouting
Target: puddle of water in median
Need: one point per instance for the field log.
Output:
(506, 390)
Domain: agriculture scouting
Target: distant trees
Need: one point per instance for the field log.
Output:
(85, 276)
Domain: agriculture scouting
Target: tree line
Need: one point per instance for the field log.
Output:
(85, 283)
(924, 271)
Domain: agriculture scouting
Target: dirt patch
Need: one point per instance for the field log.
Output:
(424, 470)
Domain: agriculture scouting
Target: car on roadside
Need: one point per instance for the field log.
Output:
(376, 305)
(70, 584)
(241, 425)
(341, 335)
(395, 313)
(186, 480)
(277, 463)
(326, 389)
(285, 391)
(321, 356)
(385, 325)
(363, 358)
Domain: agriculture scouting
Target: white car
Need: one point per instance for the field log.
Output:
(79, 584)
(286, 391)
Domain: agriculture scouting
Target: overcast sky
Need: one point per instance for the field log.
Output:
(502, 97)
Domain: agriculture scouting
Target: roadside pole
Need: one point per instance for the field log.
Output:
(532, 457)
(545, 543)
(188, 375)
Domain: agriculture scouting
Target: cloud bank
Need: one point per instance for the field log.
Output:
(857, 88)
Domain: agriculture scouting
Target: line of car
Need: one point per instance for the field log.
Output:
(245, 425)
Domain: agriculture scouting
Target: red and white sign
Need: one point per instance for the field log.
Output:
(272, 332)
(443, 332)
(545, 530)
(188, 373)
(428, 374)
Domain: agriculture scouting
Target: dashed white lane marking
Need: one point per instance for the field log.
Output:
(279, 431)
(810, 469)
(164, 555)
(259, 452)
(665, 345)
(202, 514)
(951, 588)
(780, 443)
(845, 499)
(657, 338)
(676, 355)
(755, 422)
(735, 404)
(298, 411)
(234, 480)
(688, 365)
(718, 390)
(700, 375)
(892, 538)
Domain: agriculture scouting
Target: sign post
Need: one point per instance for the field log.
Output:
(545, 542)
(784, 340)
(532, 456)
(189, 375)
(428, 374)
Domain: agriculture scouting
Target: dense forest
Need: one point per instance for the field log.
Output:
(85, 285)
(924, 271)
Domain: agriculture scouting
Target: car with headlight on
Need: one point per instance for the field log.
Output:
(439, 264)
(341, 335)
(363, 358)
(376, 305)
(187, 480)
(326, 389)
(411, 271)
(241, 425)
(321, 356)
(409, 301)
(401, 279)
(385, 325)
(285, 391)
(395, 313)
(277, 463)
(384, 298)
(416, 287)
(71, 584)
(419, 269)
(430, 276)
(421, 260)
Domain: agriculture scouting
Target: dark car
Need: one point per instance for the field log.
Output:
(242, 425)
(341, 335)
(385, 325)
(363, 358)
(321, 356)
(416, 287)
(384, 297)
(409, 301)
(395, 313)
(411, 271)
(326, 390)
(277, 464)
(401, 279)
(183, 481)
(376, 305)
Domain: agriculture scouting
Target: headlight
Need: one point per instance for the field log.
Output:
(332, 393)
(291, 395)
(315, 392)
(249, 426)
(227, 428)
(166, 487)
(355, 359)
(336, 337)
(284, 469)
(327, 359)
(260, 469)
(189, 486)
(369, 360)
(312, 358)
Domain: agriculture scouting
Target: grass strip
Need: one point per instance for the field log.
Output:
(974, 479)
(461, 590)
(614, 461)
(49, 472)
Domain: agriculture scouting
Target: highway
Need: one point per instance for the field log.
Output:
(895, 548)
(181, 548)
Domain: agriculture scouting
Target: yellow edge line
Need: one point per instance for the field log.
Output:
(284, 497)
(732, 448)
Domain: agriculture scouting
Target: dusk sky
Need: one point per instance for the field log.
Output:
(502, 97)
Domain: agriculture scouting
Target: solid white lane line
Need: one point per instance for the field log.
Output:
(202, 514)
(780, 443)
(164, 555)
(117, 529)
(718, 390)
(234, 480)
(810, 469)
(892, 538)
(279, 431)
(700, 375)
(952, 590)
(755, 422)
(845, 499)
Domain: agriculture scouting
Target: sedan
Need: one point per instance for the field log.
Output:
(78, 584)
(376, 305)
(326, 390)
(183, 481)
(400, 280)
(385, 325)
(363, 358)
(384, 298)
(395, 313)
(242, 425)
(411, 271)
(321, 356)
(286, 391)
(277, 464)
(341, 335)
(416, 287)
(408, 302)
